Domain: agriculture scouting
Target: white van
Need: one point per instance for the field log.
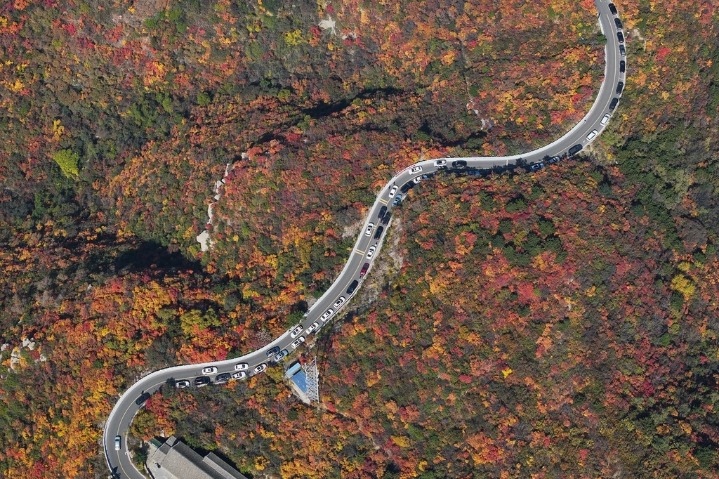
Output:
(592, 135)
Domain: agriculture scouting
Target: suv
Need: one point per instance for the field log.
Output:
(365, 267)
(202, 381)
(378, 234)
(386, 218)
(620, 36)
(622, 50)
(618, 23)
(575, 149)
(382, 212)
(143, 397)
(352, 287)
(272, 351)
(622, 66)
(612, 8)
(459, 164)
(605, 119)
(620, 87)
(613, 103)
(592, 135)
(222, 378)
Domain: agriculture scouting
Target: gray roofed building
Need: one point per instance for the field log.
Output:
(175, 460)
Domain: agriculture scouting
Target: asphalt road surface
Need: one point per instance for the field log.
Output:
(337, 296)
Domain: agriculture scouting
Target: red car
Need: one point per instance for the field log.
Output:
(364, 269)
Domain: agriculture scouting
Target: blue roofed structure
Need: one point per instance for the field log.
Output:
(298, 381)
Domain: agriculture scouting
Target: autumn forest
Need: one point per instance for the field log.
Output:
(558, 324)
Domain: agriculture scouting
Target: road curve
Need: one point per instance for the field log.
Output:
(338, 295)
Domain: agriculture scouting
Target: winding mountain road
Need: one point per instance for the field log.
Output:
(339, 294)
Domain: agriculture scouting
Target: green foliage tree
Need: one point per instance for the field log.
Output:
(68, 161)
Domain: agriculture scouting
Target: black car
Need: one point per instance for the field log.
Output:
(272, 351)
(622, 66)
(222, 378)
(202, 381)
(620, 36)
(575, 149)
(612, 9)
(386, 218)
(618, 23)
(620, 87)
(382, 211)
(143, 397)
(622, 50)
(459, 164)
(536, 166)
(553, 159)
(406, 187)
(352, 287)
(613, 103)
(378, 233)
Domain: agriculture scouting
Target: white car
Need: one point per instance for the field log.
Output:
(370, 252)
(241, 366)
(209, 370)
(315, 326)
(118, 442)
(392, 191)
(592, 135)
(327, 314)
(415, 169)
(417, 180)
(368, 231)
(605, 120)
(260, 368)
(298, 341)
(340, 301)
(295, 331)
(182, 384)
(239, 375)
(440, 163)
